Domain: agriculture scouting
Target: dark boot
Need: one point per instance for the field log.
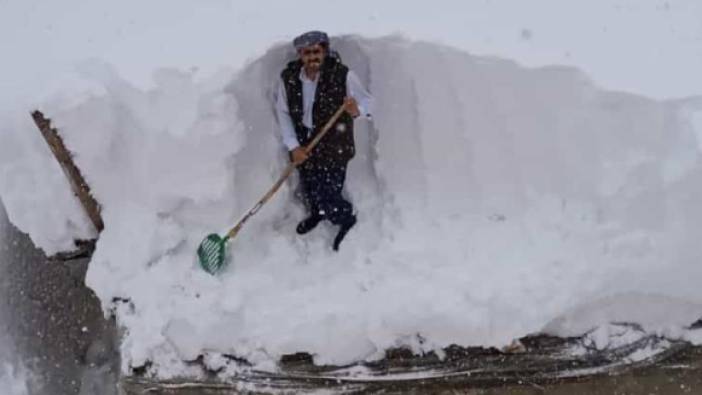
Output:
(308, 224)
(343, 230)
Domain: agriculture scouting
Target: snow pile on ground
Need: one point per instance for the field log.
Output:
(491, 200)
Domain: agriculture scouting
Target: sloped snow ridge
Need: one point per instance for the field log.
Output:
(492, 199)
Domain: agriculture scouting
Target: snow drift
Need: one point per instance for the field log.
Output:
(492, 199)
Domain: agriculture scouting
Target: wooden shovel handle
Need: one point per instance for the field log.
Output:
(288, 171)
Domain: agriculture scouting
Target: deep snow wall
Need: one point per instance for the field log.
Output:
(491, 199)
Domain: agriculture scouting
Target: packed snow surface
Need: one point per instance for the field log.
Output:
(492, 199)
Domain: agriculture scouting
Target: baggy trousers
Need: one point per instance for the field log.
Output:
(322, 185)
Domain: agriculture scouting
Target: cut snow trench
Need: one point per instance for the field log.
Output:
(492, 199)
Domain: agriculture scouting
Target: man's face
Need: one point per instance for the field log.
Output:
(312, 57)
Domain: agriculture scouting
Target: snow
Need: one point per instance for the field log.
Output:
(654, 313)
(661, 38)
(493, 198)
(15, 378)
(626, 344)
(13, 382)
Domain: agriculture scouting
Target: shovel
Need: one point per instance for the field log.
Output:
(212, 251)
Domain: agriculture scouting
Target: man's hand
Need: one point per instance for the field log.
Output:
(298, 156)
(351, 107)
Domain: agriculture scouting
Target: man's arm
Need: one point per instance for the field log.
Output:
(287, 130)
(364, 100)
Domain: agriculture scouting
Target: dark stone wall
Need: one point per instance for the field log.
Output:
(52, 321)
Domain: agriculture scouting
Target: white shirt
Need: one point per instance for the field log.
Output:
(309, 88)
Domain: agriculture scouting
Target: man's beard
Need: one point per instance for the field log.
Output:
(313, 65)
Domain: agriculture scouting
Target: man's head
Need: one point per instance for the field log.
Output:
(312, 48)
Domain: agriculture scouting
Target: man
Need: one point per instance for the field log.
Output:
(311, 90)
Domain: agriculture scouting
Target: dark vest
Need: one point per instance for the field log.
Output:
(338, 144)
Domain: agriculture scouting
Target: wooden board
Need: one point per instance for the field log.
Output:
(75, 178)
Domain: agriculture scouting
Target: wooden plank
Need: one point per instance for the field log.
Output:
(75, 178)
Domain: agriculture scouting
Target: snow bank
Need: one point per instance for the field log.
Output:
(491, 200)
